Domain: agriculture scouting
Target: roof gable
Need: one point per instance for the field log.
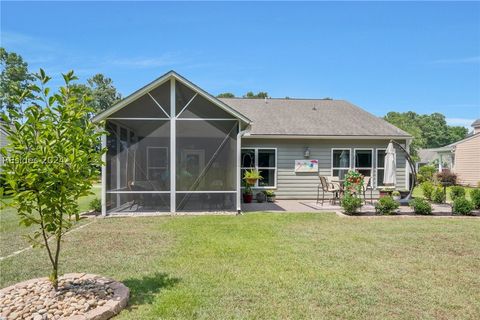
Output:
(158, 82)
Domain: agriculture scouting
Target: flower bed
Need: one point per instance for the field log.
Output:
(79, 296)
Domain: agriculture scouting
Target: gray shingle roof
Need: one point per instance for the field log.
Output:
(311, 117)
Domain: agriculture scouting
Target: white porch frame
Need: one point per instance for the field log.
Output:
(172, 153)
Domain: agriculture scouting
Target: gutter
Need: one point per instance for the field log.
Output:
(240, 134)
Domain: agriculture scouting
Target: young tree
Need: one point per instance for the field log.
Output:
(51, 161)
(14, 78)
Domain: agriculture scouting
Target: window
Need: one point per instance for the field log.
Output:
(364, 161)
(340, 162)
(265, 161)
(380, 166)
(157, 162)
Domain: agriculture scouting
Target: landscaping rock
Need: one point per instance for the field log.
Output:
(79, 296)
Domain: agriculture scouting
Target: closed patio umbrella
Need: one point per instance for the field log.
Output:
(389, 176)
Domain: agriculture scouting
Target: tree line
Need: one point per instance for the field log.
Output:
(428, 130)
(15, 78)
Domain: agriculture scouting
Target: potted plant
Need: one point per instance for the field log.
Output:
(270, 195)
(251, 176)
(353, 182)
(396, 195)
(261, 197)
(385, 191)
(247, 194)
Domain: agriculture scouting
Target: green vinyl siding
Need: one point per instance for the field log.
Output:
(291, 185)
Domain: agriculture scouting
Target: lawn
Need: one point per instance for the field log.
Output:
(11, 234)
(278, 266)
(418, 193)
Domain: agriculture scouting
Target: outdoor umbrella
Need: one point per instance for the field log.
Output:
(389, 177)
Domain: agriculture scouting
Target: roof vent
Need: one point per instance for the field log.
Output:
(265, 100)
(314, 108)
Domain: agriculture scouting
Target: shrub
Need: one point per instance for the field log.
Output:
(438, 196)
(475, 196)
(427, 188)
(95, 205)
(421, 206)
(351, 204)
(447, 178)
(457, 192)
(396, 193)
(462, 206)
(426, 173)
(386, 205)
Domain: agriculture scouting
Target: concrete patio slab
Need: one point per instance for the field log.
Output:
(312, 206)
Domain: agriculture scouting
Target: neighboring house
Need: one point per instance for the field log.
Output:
(173, 147)
(462, 157)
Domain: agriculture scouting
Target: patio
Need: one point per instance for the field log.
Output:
(368, 209)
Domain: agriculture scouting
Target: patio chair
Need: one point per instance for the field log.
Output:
(367, 185)
(325, 186)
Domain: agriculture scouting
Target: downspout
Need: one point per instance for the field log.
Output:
(240, 134)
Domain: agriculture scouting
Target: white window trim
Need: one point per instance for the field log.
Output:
(376, 166)
(148, 160)
(262, 168)
(340, 168)
(363, 168)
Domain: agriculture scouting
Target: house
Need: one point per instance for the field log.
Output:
(174, 147)
(462, 157)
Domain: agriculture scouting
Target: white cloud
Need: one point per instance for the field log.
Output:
(167, 59)
(458, 60)
(460, 122)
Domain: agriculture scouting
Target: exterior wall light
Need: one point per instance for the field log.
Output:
(306, 154)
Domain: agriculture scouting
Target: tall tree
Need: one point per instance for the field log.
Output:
(226, 95)
(428, 130)
(456, 133)
(104, 94)
(14, 78)
(259, 95)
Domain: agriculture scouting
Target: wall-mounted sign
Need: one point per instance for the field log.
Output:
(306, 165)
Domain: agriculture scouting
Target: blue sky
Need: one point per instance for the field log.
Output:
(423, 57)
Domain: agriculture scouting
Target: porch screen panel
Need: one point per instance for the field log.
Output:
(137, 164)
(206, 201)
(206, 155)
(205, 159)
(191, 105)
(138, 202)
(143, 107)
(161, 95)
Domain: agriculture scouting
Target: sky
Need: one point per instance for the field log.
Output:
(410, 56)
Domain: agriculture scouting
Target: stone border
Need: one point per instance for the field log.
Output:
(389, 216)
(111, 308)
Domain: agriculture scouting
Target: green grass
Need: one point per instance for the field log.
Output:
(418, 193)
(277, 266)
(11, 233)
